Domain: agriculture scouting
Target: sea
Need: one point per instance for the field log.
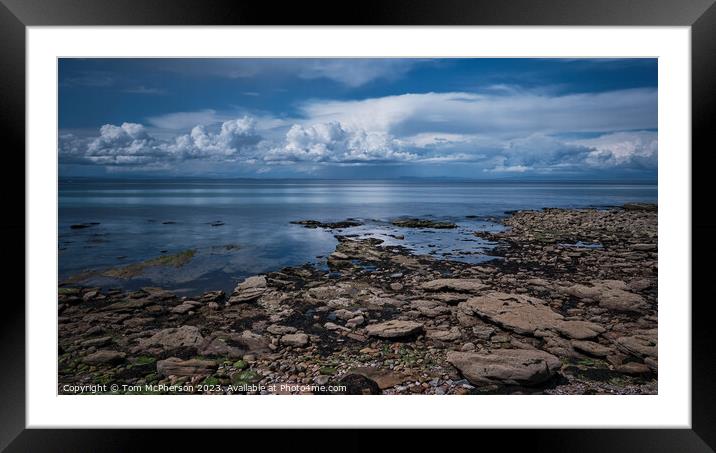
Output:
(237, 228)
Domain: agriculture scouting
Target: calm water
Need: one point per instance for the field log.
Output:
(139, 220)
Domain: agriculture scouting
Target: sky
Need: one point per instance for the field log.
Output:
(477, 118)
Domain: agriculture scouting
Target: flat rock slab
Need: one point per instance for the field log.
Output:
(591, 348)
(174, 366)
(639, 345)
(250, 289)
(394, 329)
(104, 357)
(454, 284)
(295, 339)
(610, 294)
(430, 308)
(444, 335)
(525, 315)
(175, 337)
(505, 366)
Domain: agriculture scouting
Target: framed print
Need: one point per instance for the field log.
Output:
(243, 218)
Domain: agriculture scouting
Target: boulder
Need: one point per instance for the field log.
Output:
(591, 348)
(610, 294)
(218, 345)
(174, 366)
(384, 378)
(639, 345)
(526, 315)
(277, 329)
(249, 290)
(454, 284)
(444, 335)
(175, 337)
(430, 308)
(294, 339)
(104, 357)
(516, 312)
(394, 329)
(505, 366)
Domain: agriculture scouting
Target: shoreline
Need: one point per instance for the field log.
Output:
(571, 307)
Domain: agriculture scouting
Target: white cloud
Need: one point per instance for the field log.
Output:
(331, 142)
(516, 132)
(233, 137)
(131, 145)
(512, 115)
(623, 148)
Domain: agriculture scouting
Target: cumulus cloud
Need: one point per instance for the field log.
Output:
(623, 148)
(509, 132)
(331, 142)
(130, 144)
(234, 136)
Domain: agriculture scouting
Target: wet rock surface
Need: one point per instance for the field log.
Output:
(550, 316)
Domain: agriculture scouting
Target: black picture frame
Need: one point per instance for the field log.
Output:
(16, 15)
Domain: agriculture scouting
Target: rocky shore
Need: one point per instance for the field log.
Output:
(570, 307)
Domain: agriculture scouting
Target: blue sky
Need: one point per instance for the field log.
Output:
(359, 118)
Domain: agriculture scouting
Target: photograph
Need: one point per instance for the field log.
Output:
(357, 226)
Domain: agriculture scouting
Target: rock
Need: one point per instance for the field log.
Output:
(89, 295)
(644, 247)
(321, 380)
(591, 348)
(217, 345)
(357, 384)
(422, 223)
(633, 368)
(128, 305)
(454, 284)
(251, 341)
(344, 314)
(640, 207)
(338, 256)
(611, 294)
(383, 378)
(468, 347)
(579, 330)
(174, 366)
(526, 315)
(620, 300)
(276, 329)
(505, 366)
(97, 342)
(295, 339)
(333, 326)
(79, 226)
(394, 329)
(348, 223)
(444, 335)
(430, 308)
(516, 312)
(181, 309)
(638, 345)
(175, 337)
(483, 332)
(104, 357)
(249, 290)
(355, 322)
(396, 286)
